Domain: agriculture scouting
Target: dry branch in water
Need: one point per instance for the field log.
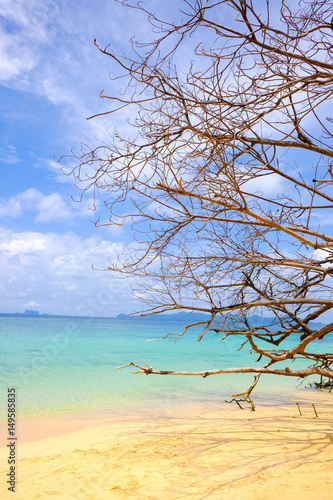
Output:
(227, 179)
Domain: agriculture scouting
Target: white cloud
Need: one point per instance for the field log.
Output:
(26, 244)
(268, 185)
(54, 272)
(324, 254)
(52, 207)
(32, 303)
(60, 170)
(49, 207)
(47, 47)
(21, 31)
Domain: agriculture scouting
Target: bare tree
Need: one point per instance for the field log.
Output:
(227, 178)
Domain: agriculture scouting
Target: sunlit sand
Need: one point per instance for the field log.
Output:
(178, 453)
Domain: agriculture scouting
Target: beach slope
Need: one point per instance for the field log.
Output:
(272, 453)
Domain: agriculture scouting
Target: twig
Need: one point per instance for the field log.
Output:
(315, 410)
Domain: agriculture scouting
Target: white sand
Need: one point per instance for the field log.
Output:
(272, 453)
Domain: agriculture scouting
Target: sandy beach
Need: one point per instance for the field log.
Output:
(183, 452)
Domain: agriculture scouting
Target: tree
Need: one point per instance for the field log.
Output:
(227, 179)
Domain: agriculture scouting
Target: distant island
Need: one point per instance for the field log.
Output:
(27, 312)
(194, 317)
(30, 312)
(183, 317)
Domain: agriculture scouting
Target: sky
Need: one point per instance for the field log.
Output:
(51, 75)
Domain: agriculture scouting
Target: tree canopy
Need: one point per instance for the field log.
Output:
(224, 173)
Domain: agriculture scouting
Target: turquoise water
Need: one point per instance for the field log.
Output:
(69, 364)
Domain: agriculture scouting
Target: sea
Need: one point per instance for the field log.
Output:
(58, 364)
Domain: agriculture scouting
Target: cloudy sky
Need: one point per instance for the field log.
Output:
(51, 75)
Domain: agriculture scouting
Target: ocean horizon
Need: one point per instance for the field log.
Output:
(69, 364)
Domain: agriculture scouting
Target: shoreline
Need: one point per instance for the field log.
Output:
(179, 452)
(33, 428)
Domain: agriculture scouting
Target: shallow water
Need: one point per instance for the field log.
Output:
(69, 364)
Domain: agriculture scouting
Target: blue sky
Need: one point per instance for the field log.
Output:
(51, 75)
